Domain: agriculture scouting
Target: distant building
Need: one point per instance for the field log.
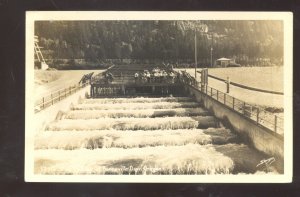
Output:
(224, 62)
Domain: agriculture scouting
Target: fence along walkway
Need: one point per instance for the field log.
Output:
(260, 116)
(57, 96)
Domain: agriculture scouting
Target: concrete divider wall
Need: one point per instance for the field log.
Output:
(261, 138)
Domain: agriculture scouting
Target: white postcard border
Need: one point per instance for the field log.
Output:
(286, 17)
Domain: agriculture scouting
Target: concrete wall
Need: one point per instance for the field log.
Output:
(261, 138)
(42, 118)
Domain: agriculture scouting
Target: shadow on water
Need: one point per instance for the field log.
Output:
(126, 162)
(186, 112)
(205, 122)
(278, 164)
(221, 136)
(160, 114)
(245, 158)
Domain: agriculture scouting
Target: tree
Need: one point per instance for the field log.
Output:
(171, 40)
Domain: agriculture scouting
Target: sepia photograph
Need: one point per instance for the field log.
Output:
(158, 97)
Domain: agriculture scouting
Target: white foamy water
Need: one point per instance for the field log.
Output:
(136, 100)
(128, 139)
(188, 159)
(134, 123)
(172, 135)
(158, 105)
(144, 113)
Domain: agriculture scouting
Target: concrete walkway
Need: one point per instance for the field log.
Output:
(67, 78)
(249, 96)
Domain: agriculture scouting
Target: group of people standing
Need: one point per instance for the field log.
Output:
(157, 75)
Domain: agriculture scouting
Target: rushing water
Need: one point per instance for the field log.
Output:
(141, 136)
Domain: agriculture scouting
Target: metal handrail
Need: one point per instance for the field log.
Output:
(56, 96)
(250, 111)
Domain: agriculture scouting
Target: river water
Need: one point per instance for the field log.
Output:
(171, 135)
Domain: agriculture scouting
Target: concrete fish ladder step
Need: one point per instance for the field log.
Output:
(137, 100)
(202, 122)
(70, 140)
(145, 113)
(124, 106)
(186, 159)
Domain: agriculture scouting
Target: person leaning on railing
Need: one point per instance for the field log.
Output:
(152, 78)
(179, 77)
(170, 78)
(142, 78)
(136, 77)
(109, 77)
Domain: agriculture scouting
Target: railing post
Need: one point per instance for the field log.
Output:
(202, 87)
(70, 90)
(257, 115)
(123, 90)
(275, 124)
(227, 85)
(91, 91)
(43, 102)
(244, 108)
(233, 103)
(211, 91)
(206, 89)
(65, 92)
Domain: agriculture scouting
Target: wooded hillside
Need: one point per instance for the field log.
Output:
(249, 42)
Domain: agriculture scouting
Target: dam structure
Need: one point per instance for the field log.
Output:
(134, 122)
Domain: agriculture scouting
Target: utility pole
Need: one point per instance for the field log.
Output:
(211, 50)
(195, 56)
